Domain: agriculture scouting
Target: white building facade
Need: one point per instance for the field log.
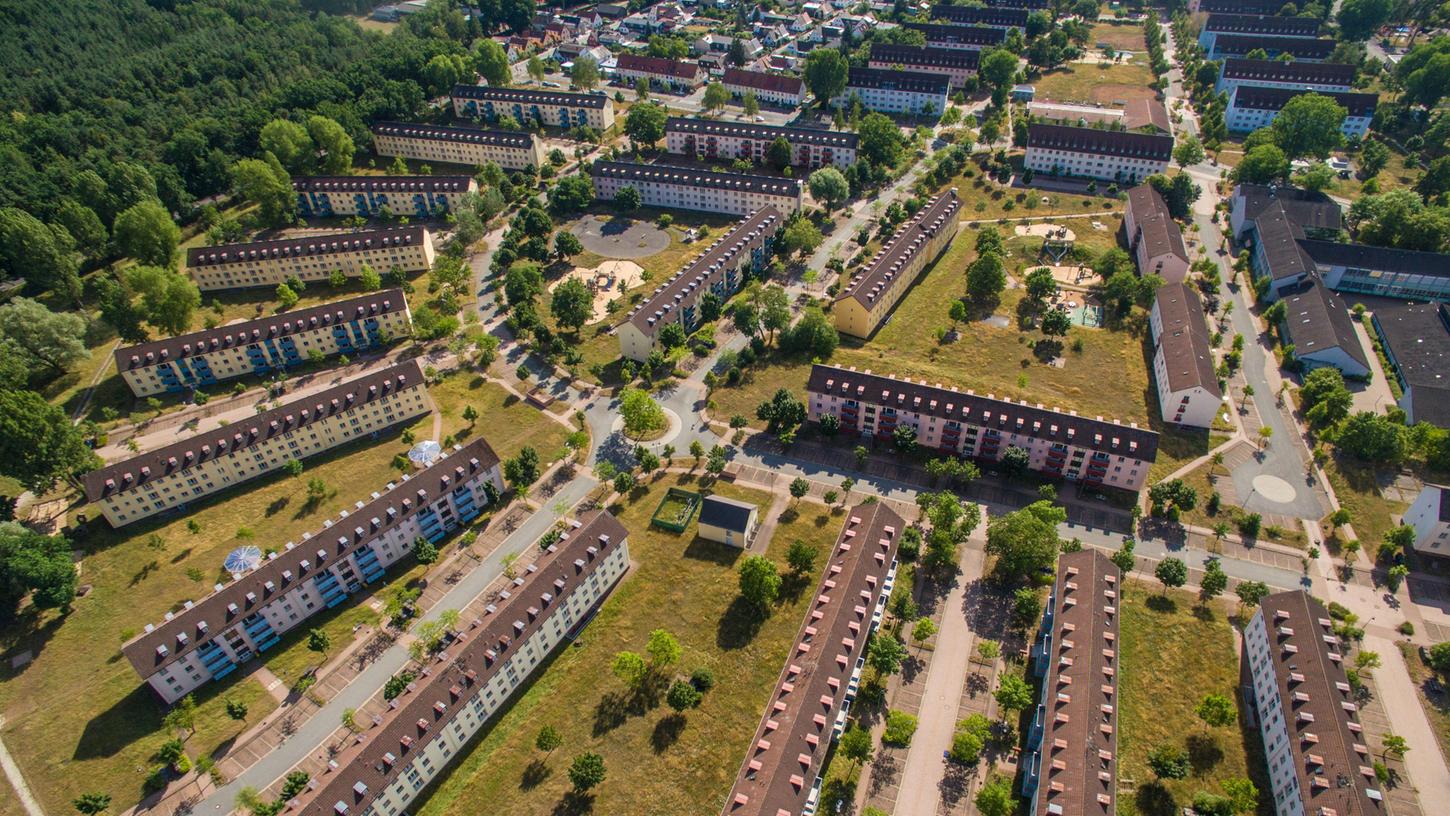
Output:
(956, 65)
(1099, 154)
(1429, 514)
(708, 139)
(1183, 367)
(1251, 107)
(892, 91)
(1293, 76)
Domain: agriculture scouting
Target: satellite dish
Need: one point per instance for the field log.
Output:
(425, 453)
(242, 559)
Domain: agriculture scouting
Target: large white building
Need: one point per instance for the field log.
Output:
(1153, 235)
(689, 188)
(1429, 514)
(477, 674)
(893, 91)
(1251, 107)
(1112, 155)
(973, 37)
(264, 345)
(710, 139)
(310, 257)
(957, 65)
(413, 196)
(737, 256)
(1183, 370)
(779, 90)
(470, 146)
(874, 291)
(208, 639)
(1293, 76)
(187, 471)
(1059, 444)
(1241, 45)
(553, 108)
(1318, 755)
(1271, 26)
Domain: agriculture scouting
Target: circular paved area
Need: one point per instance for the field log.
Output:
(1273, 488)
(620, 236)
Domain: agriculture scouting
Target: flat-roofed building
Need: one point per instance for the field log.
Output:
(264, 345)
(672, 74)
(310, 257)
(1315, 746)
(781, 774)
(973, 37)
(1183, 369)
(434, 720)
(689, 188)
(894, 91)
(1241, 45)
(1416, 341)
(1429, 514)
(1111, 155)
(1153, 235)
(559, 109)
(1383, 271)
(1071, 762)
(1294, 76)
(208, 639)
(451, 144)
(737, 256)
(874, 291)
(1251, 107)
(1258, 25)
(956, 64)
(712, 139)
(977, 16)
(186, 471)
(1321, 329)
(1059, 444)
(779, 90)
(412, 196)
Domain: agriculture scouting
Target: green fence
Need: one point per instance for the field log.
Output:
(675, 510)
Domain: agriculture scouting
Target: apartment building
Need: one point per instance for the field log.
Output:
(1315, 213)
(310, 257)
(977, 16)
(667, 73)
(781, 774)
(477, 673)
(367, 196)
(955, 64)
(208, 639)
(552, 108)
(1362, 269)
(708, 139)
(875, 290)
(737, 256)
(1416, 342)
(1030, 5)
(1251, 107)
(1111, 155)
(1241, 45)
(1183, 369)
(689, 188)
(1257, 25)
(1294, 76)
(1296, 688)
(1059, 443)
(471, 146)
(1236, 6)
(1321, 329)
(186, 471)
(893, 91)
(770, 89)
(1429, 514)
(972, 37)
(1071, 762)
(1153, 236)
(264, 345)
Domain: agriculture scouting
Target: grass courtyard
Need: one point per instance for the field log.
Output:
(1357, 487)
(1087, 83)
(655, 763)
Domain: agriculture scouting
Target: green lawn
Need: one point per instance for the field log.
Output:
(1357, 488)
(1106, 84)
(654, 766)
(1173, 654)
(1122, 36)
(1438, 710)
(507, 422)
(985, 201)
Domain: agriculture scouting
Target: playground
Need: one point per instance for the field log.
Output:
(620, 236)
(1057, 240)
(607, 281)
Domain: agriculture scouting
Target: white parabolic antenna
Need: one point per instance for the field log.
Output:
(425, 453)
(242, 559)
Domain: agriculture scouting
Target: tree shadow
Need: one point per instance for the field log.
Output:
(1162, 604)
(574, 803)
(610, 713)
(534, 774)
(277, 506)
(145, 572)
(792, 584)
(1203, 753)
(739, 625)
(1153, 799)
(667, 732)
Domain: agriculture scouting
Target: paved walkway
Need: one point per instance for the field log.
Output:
(17, 781)
(1426, 764)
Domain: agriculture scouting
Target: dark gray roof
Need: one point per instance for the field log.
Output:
(924, 56)
(1316, 320)
(573, 100)
(1417, 336)
(1308, 209)
(658, 65)
(1262, 24)
(1159, 232)
(1305, 73)
(381, 184)
(1103, 142)
(331, 243)
(980, 16)
(907, 81)
(718, 511)
(760, 80)
(1378, 259)
(959, 34)
(751, 130)
(695, 177)
(1187, 351)
(1279, 236)
(1241, 6)
(1238, 45)
(456, 133)
(1254, 97)
(1022, 4)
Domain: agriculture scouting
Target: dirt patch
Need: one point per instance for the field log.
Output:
(1046, 231)
(607, 281)
(620, 236)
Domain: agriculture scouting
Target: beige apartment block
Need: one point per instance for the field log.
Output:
(310, 258)
(874, 291)
(470, 146)
(688, 188)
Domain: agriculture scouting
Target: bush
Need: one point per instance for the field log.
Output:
(703, 679)
(900, 726)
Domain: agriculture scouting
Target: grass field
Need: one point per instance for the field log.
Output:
(507, 422)
(654, 764)
(1104, 84)
(1124, 37)
(987, 201)
(1173, 654)
(1357, 488)
(1437, 711)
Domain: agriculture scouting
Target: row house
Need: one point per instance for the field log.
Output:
(976, 16)
(1153, 236)
(471, 146)
(1251, 107)
(1241, 45)
(208, 639)
(1296, 688)
(368, 196)
(1071, 758)
(1183, 369)
(689, 188)
(1293, 76)
(264, 345)
(310, 258)
(1416, 342)
(737, 256)
(956, 65)
(667, 73)
(891, 91)
(1257, 25)
(552, 108)
(710, 139)
(770, 89)
(970, 37)
(1429, 515)
(175, 475)
(781, 774)
(1059, 444)
(1111, 155)
(483, 666)
(874, 291)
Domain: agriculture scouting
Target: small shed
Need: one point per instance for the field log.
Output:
(728, 521)
(1023, 93)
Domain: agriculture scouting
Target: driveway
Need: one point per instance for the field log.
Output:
(1425, 763)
